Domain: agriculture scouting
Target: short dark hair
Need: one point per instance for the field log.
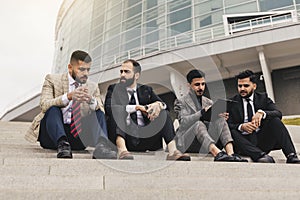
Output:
(80, 55)
(195, 73)
(136, 66)
(247, 74)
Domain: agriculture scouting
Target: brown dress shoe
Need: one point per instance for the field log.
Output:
(125, 155)
(177, 155)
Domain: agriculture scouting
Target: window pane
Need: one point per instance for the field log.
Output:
(151, 3)
(133, 11)
(129, 3)
(181, 27)
(234, 2)
(180, 15)
(266, 5)
(177, 4)
(208, 6)
(250, 7)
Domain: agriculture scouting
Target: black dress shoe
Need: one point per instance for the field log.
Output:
(222, 156)
(292, 158)
(103, 151)
(266, 159)
(238, 158)
(64, 150)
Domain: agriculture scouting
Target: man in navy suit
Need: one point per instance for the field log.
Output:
(137, 117)
(255, 123)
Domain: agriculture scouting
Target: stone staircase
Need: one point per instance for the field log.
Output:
(29, 172)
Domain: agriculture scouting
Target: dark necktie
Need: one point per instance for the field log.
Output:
(132, 101)
(76, 117)
(252, 137)
(249, 110)
(134, 130)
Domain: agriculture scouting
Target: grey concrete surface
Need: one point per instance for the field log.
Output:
(30, 172)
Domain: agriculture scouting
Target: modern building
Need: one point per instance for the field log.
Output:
(169, 37)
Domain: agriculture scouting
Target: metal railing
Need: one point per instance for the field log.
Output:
(267, 21)
(197, 36)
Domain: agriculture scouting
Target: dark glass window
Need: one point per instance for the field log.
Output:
(180, 15)
(181, 27)
(206, 21)
(151, 3)
(266, 5)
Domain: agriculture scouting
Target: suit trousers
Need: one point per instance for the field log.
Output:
(52, 129)
(150, 136)
(272, 135)
(216, 132)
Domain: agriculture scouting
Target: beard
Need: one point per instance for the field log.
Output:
(127, 82)
(247, 95)
(77, 79)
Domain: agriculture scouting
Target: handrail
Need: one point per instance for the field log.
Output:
(260, 22)
(197, 36)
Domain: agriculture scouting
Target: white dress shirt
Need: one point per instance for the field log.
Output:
(131, 108)
(67, 111)
(245, 102)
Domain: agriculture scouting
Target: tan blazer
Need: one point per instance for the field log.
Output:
(54, 87)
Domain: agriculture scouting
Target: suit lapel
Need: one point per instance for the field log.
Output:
(241, 107)
(65, 83)
(189, 101)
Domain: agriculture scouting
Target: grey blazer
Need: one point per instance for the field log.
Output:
(187, 113)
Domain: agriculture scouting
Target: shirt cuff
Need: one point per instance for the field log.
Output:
(65, 99)
(130, 108)
(240, 128)
(264, 113)
(164, 106)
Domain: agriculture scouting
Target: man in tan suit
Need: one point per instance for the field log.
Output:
(72, 114)
(191, 111)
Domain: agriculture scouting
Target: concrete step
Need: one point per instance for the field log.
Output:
(29, 172)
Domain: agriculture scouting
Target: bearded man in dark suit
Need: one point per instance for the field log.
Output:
(255, 123)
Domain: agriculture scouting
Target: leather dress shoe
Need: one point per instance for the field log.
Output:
(293, 159)
(222, 156)
(266, 159)
(103, 151)
(177, 155)
(126, 155)
(237, 158)
(64, 150)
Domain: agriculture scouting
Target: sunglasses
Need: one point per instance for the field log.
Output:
(126, 71)
(245, 85)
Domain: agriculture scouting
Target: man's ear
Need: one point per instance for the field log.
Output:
(137, 76)
(254, 85)
(69, 67)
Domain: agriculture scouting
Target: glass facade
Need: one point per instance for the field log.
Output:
(113, 30)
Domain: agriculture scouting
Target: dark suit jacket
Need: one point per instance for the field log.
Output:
(261, 101)
(115, 105)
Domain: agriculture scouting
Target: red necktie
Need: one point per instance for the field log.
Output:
(76, 117)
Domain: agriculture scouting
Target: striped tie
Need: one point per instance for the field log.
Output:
(76, 117)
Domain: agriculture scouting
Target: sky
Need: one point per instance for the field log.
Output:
(26, 47)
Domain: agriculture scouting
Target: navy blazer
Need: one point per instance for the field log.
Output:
(261, 101)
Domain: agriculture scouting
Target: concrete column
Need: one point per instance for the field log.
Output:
(266, 72)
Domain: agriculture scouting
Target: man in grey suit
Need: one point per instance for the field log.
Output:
(191, 111)
(72, 113)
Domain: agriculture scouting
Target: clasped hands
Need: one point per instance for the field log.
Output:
(255, 123)
(80, 94)
(152, 110)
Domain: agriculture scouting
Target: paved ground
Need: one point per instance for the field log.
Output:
(29, 172)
